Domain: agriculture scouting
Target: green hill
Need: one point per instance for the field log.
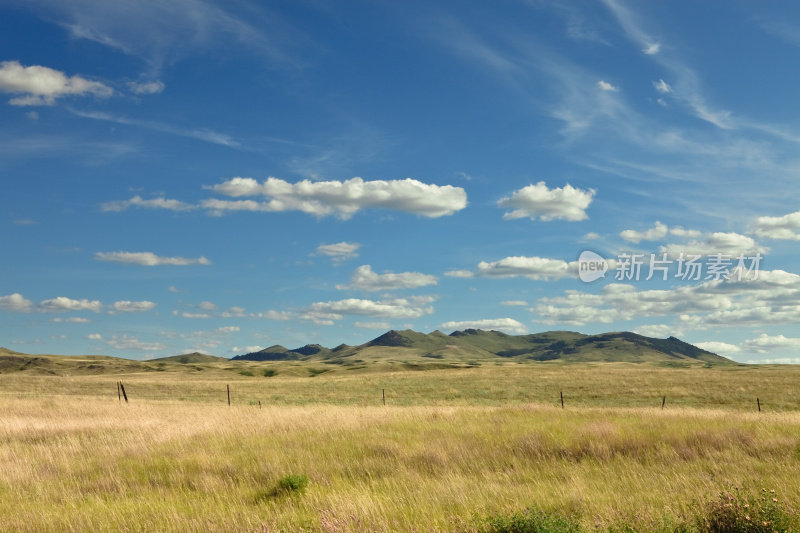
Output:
(472, 345)
(189, 358)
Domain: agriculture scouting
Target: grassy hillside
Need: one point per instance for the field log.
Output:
(189, 358)
(472, 345)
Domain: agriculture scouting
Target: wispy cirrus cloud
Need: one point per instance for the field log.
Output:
(202, 134)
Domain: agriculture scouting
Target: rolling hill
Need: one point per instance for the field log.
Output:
(480, 345)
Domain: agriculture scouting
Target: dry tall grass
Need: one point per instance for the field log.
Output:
(81, 464)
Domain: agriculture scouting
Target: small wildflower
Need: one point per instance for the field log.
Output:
(747, 517)
(775, 500)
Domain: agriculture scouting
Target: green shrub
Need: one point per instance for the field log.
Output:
(738, 511)
(247, 373)
(293, 483)
(268, 372)
(531, 521)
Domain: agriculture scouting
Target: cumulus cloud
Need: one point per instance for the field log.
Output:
(339, 251)
(275, 315)
(538, 268)
(72, 320)
(325, 313)
(786, 227)
(39, 85)
(62, 303)
(94, 337)
(731, 244)
(765, 343)
(15, 302)
(149, 259)
(151, 203)
(605, 86)
(340, 198)
(721, 348)
(364, 279)
(372, 325)
(130, 342)
(659, 231)
(659, 331)
(148, 87)
(772, 298)
(126, 306)
(459, 274)
(501, 324)
(537, 201)
(519, 303)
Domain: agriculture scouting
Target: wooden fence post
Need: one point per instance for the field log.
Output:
(119, 394)
(121, 386)
(383, 392)
(229, 395)
(562, 399)
(758, 402)
(663, 402)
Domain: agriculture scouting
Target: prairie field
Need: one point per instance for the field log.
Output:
(476, 449)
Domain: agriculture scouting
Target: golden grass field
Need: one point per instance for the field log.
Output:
(451, 448)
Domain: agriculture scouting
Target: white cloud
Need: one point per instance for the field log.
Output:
(537, 268)
(681, 232)
(605, 86)
(72, 319)
(786, 227)
(94, 337)
(652, 49)
(502, 324)
(459, 274)
(62, 303)
(659, 331)
(591, 236)
(659, 231)
(326, 312)
(15, 302)
(39, 85)
(339, 251)
(537, 201)
(149, 87)
(765, 343)
(130, 342)
(247, 349)
(227, 329)
(772, 298)
(721, 348)
(207, 306)
(662, 86)
(233, 312)
(716, 243)
(372, 325)
(341, 198)
(364, 279)
(152, 203)
(520, 303)
(187, 314)
(276, 315)
(149, 259)
(776, 361)
(126, 306)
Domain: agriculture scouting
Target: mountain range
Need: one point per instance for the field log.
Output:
(481, 345)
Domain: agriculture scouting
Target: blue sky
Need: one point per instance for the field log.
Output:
(224, 176)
